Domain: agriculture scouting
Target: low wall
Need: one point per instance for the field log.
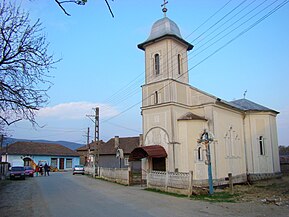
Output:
(263, 176)
(175, 182)
(3, 170)
(90, 170)
(238, 179)
(118, 175)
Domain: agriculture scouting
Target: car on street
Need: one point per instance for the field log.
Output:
(78, 169)
(29, 171)
(17, 172)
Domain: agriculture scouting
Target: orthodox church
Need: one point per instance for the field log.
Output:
(175, 114)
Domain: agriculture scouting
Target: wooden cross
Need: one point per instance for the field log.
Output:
(164, 7)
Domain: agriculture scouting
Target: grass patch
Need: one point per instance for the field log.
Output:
(166, 193)
(217, 197)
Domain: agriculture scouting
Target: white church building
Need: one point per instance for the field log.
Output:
(174, 115)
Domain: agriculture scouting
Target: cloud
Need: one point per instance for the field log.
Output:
(76, 111)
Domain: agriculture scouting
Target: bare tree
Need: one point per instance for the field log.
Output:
(24, 66)
(79, 2)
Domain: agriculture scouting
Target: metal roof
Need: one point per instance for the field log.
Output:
(247, 105)
(153, 151)
(164, 27)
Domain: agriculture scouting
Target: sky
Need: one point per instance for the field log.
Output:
(238, 46)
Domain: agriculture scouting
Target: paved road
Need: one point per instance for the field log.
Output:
(63, 194)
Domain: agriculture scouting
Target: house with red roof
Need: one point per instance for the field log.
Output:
(35, 153)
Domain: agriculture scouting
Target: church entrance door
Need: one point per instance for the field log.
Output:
(159, 164)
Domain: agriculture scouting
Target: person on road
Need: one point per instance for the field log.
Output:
(36, 170)
(46, 169)
(41, 169)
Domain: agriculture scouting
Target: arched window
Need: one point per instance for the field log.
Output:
(199, 153)
(156, 97)
(179, 64)
(157, 64)
(261, 145)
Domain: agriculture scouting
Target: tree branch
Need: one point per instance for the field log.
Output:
(109, 8)
(63, 9)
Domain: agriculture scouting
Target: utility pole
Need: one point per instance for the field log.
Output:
(96, 137)
(88, 147)
(1, 143)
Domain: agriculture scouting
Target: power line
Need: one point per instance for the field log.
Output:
(216, 51)
(126, 89)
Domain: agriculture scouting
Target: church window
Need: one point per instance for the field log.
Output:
(179, 64)
(199, 153)
(261, 145)
(156, 97)
(232, 143)
(157, 64)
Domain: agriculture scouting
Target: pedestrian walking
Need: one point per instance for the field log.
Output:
(36, 170)
(41, 170)
(46, 169)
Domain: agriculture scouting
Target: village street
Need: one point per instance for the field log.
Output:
(62, 194)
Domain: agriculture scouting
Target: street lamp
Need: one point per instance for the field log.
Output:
(206, 139)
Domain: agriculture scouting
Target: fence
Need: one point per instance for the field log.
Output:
(175, 182)
(90, 170)
(119, 175)
(3, 170)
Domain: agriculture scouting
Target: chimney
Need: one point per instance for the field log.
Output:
(140, 140)
(116, 141)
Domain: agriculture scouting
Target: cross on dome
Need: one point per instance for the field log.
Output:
(164, 7)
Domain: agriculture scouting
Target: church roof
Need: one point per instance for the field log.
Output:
(247, 105)
(164, 27)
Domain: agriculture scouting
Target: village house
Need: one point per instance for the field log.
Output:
(85, 151)
(34, 153)
(175, 114)
(112, 154)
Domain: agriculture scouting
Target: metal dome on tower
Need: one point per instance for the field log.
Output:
(162, 28)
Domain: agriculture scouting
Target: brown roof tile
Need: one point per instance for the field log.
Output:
(35, 148)
(127, 144)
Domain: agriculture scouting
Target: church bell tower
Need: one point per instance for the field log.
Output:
(165, 91)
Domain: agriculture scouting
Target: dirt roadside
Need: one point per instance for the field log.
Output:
(16, 197)
(271, 191)
(21, 198)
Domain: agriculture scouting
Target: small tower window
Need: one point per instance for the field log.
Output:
(179, 64)
(199, 153)
(261, 145)
(157, 64)
(156, 97)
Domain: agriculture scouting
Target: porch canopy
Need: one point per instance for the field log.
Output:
(153, 151)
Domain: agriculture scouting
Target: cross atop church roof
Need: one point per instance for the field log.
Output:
(164, 7)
